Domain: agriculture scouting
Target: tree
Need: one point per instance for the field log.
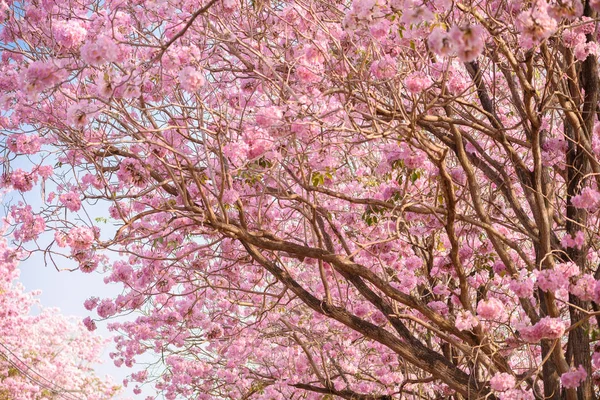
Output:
(43, 356)
(321, 199)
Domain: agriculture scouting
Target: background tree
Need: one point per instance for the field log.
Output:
(366, 200)
(43, 356)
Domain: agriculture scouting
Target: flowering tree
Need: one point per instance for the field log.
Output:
(373, 199)
(44, 356)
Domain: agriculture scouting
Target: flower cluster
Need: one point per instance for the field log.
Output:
(546, 328)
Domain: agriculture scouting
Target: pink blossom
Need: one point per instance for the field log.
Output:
(584, 287)
(41, 75)
(103, 50)
(466, 321)
(91, 303)
(415, 13)
(572, 38)
(384, 68)
(306, 75)
(567, 9)
(131, 171)
(588, 199)
(24, 144)
(80, 114)
(457, 84)
(468, 41)
(417, 82)
(31, 225)
(596, 358)
(490, 309)
(89, 324)
(106, 308)
(68, 34)
(557, 278)
(439, 306)
(380, 29)
(516, 394)
(230, 196)
(22, 181)
(70, 200)
(413, 263)
(583, 50)
(191, 79)
(269, 116)
(578, 241)
(535, 24)
(502, 382)
(597, 292)
(80, 238)
(45, 171)
(440, 43)
(573, 378)
(546, 328)
(366, 9)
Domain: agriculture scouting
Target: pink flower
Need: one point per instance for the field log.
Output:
(45, 171)
(440, 43)
(40, 76)
(68, 34)
(89, 324)
(546, 328)
(413, 262)
(516, 394)
(588, 199)
(269, 116)
(80, 238)
(80, 114)
(439, 307)
(366, 9)
(568, 241)
(131, 171)
(60, 238)
(102, 51)
(573, 378)
(457, 84)
(568, 9)
(490, 309)
(31, 225)
(465, 321)
(468, 41)
(384, 68)
(91, 303)
(417, 82)
(380, 29)
(583, 50)
(415, 13)
(22, 181)
(106, 308)
(551, 280)
(70, 200)
(24, 144)
(230, 196)
(535, 25)
(584, 288)
(190, 79)
(597, 292)
(502, 382)
(306, 74)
